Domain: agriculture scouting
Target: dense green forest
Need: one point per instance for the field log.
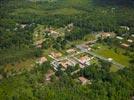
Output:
(105, 85)
(128, 3)
(19, 18)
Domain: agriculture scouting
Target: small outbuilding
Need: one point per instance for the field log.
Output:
(125, 45)
(120, 38)
(49, 74)
(130, 41)
(84, 81)
(42, 60)
(56, 54)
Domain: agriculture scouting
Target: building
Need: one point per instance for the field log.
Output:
(84, 81)
(41, 60)
(71, 51)
(125, 45)
(130, 41)
(55, 64)
(71, 25)
(125, 27)
(56, 54)
(23, 25)
(38, 43)
(132, 35)
(104, 35)
(49, 74)
(65, 64)
(120, 38)
(39, 46)
(54, 33)
(73, 61)
(85, 60)
(85, 47)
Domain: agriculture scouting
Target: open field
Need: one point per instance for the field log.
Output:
(110, 53)
(114, 68)
(17, 54)
(27, 64)
(60, 11)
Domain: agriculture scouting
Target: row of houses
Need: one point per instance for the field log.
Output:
(65, 62)
(124, 43)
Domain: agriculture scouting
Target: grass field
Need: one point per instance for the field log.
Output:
(17, 67)
(60, 11)
(114, 68)
(58, 7)
(110, 53)
(17, 60)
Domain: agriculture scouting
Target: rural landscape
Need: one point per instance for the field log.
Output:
(66, 50)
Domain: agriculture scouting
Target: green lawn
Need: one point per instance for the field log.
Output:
(114, 68)
(110, 53)
(17, 67)
(59, 11)
(66, 11)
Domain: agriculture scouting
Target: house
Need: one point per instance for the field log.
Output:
(125, 27)
(85, 60)
(132, 35)
(104, 35)
(56, 54)
(132, 98)
(53, 32)
(120, 38)
(49, 74)
(74, 62)
(125, 45)
(55, 64)
(130, 41)
(56, 34)
(84, 81)
(41, 60)
(85, 47)
(71, 25)
(71, 51)
(38, 43)
(39, 46)
(23, 25)
(65, 64)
